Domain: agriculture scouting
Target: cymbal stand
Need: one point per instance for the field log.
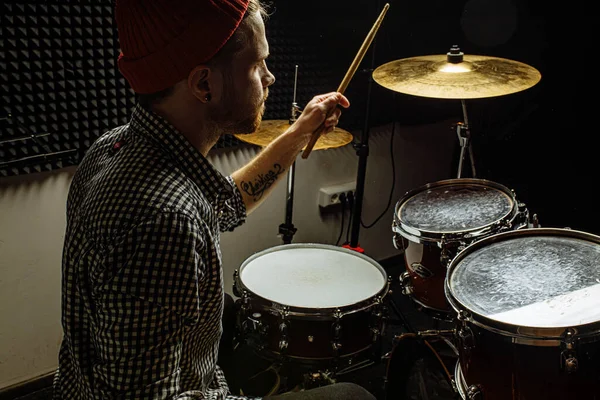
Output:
(464, 139)
(287, 229)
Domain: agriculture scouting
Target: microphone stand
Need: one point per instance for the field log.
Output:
(287, 229)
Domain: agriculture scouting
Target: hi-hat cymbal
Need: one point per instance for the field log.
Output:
(456, 76)
(269, 130)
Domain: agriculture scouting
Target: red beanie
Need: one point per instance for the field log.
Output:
(163, 40)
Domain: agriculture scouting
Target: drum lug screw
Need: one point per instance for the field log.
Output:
(474, 393)
(568, 356)
(256, 322)
(311, 338)
(375, 332)
(463, 317)
(464, 332)
(245, 301)
(467, 338)
(283, 328)
(283, 344)
(336, 346)
(445, 257)
(571, 365)
(236, 290)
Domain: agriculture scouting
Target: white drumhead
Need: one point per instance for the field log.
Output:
(312, 276)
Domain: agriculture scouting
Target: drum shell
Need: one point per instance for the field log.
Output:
(507, 369)
(516, 362)
(426, 273)
(312, 336)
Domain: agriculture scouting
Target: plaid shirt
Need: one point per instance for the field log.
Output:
(142, 283)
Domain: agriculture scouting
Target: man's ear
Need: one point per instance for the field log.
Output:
(199, 83)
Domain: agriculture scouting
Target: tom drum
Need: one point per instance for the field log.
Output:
(528, 324)
(434, 222)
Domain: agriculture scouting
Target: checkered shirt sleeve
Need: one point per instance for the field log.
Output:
(142, 280)
(234, 210)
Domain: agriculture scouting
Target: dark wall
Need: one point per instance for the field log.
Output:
(58, 77)
(540, 142)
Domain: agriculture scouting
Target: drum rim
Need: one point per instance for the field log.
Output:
(423, 235)
(505, 328)
(315, 311)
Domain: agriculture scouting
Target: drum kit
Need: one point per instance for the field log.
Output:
(521, 300)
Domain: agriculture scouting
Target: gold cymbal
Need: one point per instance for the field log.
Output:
(467, 77)
(269, 130)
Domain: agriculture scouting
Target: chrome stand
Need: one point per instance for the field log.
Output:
(287, 229)
(464, 139)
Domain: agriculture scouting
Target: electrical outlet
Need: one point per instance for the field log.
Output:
(330, 195)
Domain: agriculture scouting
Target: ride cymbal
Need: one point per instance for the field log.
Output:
(456, 76)
(269, 130)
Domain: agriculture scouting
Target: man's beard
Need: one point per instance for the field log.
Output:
(226, 120)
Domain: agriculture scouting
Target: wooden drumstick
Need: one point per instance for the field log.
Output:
(353, 67)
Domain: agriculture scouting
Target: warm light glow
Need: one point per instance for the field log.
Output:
(455, 68)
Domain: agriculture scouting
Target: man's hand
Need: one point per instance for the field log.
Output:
(316, 112)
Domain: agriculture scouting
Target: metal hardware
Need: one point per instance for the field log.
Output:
(255, 321)
(283, 329)
(245, 301)
(436, 333)
(406, 287)
(474, 392)
(337, 333)
(569, 356)
(445, 253)
(535, 223)
(236, 289)
(465, 334)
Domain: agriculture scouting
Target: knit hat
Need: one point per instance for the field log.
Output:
(163, 40)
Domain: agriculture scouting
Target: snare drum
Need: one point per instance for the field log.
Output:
(528, 324)
(432, 223)
(311, 302)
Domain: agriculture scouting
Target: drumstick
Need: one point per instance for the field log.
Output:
(353, 67)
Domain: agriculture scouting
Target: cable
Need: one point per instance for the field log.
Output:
(448, 374)
(396, 348)
(393, 182)
(350, 198)
(275, 387)
(343, 202)
(397, 340)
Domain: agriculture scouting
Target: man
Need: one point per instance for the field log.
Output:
(142, 279)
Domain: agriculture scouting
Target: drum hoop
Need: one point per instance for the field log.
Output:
(426, 236)
(317, 313)
(461, 383)
(523, 334)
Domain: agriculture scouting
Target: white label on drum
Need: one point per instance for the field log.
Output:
(312, 277)
(572, 309)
